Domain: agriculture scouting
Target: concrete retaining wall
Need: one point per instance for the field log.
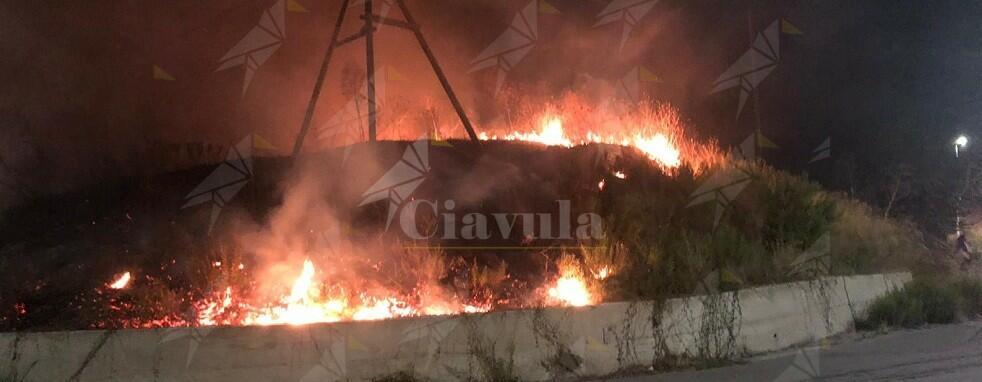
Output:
(535, 344)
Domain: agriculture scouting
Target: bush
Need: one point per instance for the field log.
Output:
(867, 243)
(763, 235)
(924, 302)
(791, 211)
(970, 292)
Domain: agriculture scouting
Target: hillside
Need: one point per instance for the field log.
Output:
(660, 236)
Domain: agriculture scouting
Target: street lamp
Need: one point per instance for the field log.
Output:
(960, 142)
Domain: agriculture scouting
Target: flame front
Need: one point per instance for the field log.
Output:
(654, 131)
(551, 134)
(657, 147)
(308, 299)
(307, 302)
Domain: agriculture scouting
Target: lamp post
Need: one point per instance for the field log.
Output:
(960, 142)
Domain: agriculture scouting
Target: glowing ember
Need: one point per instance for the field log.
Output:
(308, 302)
(602, 274)
(601, 184)
(620, 175)
(382, 309)
(207, 314)
(121, 282)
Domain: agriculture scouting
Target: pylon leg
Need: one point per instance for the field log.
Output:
(439, 72)
(318, 85)
(370, 69)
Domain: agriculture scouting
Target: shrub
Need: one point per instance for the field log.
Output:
(763, 236)
(866, 243)
(970, 293)
(791, 211)
(921, 302)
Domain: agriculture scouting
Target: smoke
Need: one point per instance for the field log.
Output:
(127, 89)
(314, 222)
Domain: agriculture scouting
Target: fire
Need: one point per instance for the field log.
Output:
(304, 304)
(570, 289)
(603, 273)
(551, 134)
(121, 282)
(620, 175)
(301, 288)
(309, 298)
(655, 131)
(208, 313)
(659, 148)
(382, 309)
(308, 302)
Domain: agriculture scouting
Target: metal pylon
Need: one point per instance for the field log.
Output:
(367, 31)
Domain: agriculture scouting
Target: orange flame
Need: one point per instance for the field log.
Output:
(570, 289)
(551, 134)
(656, 132)
(121, 282)
(307, 303)
(603, 273)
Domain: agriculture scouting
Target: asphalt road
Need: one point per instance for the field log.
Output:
(942, 353)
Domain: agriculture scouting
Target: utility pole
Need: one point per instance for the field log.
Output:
(370, 69)
(368, 32)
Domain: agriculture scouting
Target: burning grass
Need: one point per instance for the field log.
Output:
(286, 253)
(656, 130)
(314, 296)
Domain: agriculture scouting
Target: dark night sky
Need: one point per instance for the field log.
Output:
(889, 81)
